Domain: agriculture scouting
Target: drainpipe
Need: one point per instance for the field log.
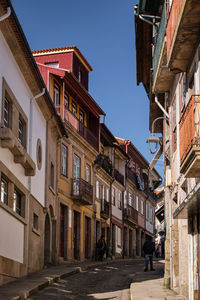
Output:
(2, 18)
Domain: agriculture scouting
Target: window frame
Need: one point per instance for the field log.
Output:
(56, 92)
(64, 165)
(88, 179)
(4, 180)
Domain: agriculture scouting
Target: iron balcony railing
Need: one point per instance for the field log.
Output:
(82, 191)
(73, 121)
(130, 213)
(159, 38)
(105, 209)
(104, 162)
(118, 176)
(190, 127)
(131, 175)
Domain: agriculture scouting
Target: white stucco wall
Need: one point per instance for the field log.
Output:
(12, 237)
(14, 78)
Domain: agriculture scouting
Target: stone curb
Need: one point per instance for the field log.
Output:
(74, 270)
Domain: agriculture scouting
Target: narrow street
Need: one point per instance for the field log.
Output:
(106, 282)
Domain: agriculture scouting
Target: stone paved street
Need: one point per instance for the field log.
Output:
(106, 282)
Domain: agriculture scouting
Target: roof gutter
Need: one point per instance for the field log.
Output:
(2, 18)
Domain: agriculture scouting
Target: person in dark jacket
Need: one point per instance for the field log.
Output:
(149, 248)
(101, 247)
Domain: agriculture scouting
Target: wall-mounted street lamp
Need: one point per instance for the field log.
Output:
(153, 142)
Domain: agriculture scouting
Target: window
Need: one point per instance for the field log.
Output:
(52, 176)
(35, 221)
(119, 200)
(136, 203)
(7, 113)
(113, 196)
(142, 207)
(74, 108)
(39, 154)
(81, 116)
(119, 237)
(102, 192)
(21, 131)
(108, 194)
(4, 191)
(77, 167)
(54, 64)
(97, 189)
(88, 173)
(130, 199)
(80, 76)
(64, 160)
(17, 203)
(56, 95)
(66, 101)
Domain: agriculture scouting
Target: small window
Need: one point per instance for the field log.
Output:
(136, 203)
(108, 194)
(66, 101)
(22, 131)
(97, 190)
(56, 95)
(7, 113)
(52, 176)
(142, 207)
(74, 108)
(113, 196)
(54, 64)
(4, 191)
(17, 203)
(35, 221)
(102, 192)
(88, 173)
(80, 76)
(39, 154)
(81, 116)
(64, 160)
(119, 200)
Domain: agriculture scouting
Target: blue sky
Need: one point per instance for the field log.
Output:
(104, 33)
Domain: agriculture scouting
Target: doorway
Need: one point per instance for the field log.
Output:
(63, 231)
(76, 235)
(47, 241)
(87, 237)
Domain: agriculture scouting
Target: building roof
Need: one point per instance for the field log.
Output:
(64, 50)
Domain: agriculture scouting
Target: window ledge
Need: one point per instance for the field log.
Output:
(13, 213)
(52, 190)
(36, 231)
(8, 140)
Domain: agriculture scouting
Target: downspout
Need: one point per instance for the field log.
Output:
(2, 18)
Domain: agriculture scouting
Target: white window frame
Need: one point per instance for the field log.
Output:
(97, 189)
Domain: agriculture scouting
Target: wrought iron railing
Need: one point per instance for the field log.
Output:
(82, 190)
(73, 121)
(104, 162)
(118, 176)
(159, 40)
(131, 212)
(131, 175)
(190, 127)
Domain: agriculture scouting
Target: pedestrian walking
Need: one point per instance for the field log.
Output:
(101, 248)
(149, 248)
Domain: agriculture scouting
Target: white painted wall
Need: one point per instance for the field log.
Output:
(13, 76)
(12, 237)
(38, 131)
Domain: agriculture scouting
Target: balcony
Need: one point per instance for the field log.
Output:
(131, 176)
(118, 176)
(182, 33)
(78, 126)
(190, 139)
(130, 214)
(161, 74)
(105, 163)
(82, 191)
(9, 141)
(105, 209)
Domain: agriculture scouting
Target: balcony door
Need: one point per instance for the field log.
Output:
(77, 174)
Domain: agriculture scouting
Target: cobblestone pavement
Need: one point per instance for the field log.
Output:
(104, 282)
